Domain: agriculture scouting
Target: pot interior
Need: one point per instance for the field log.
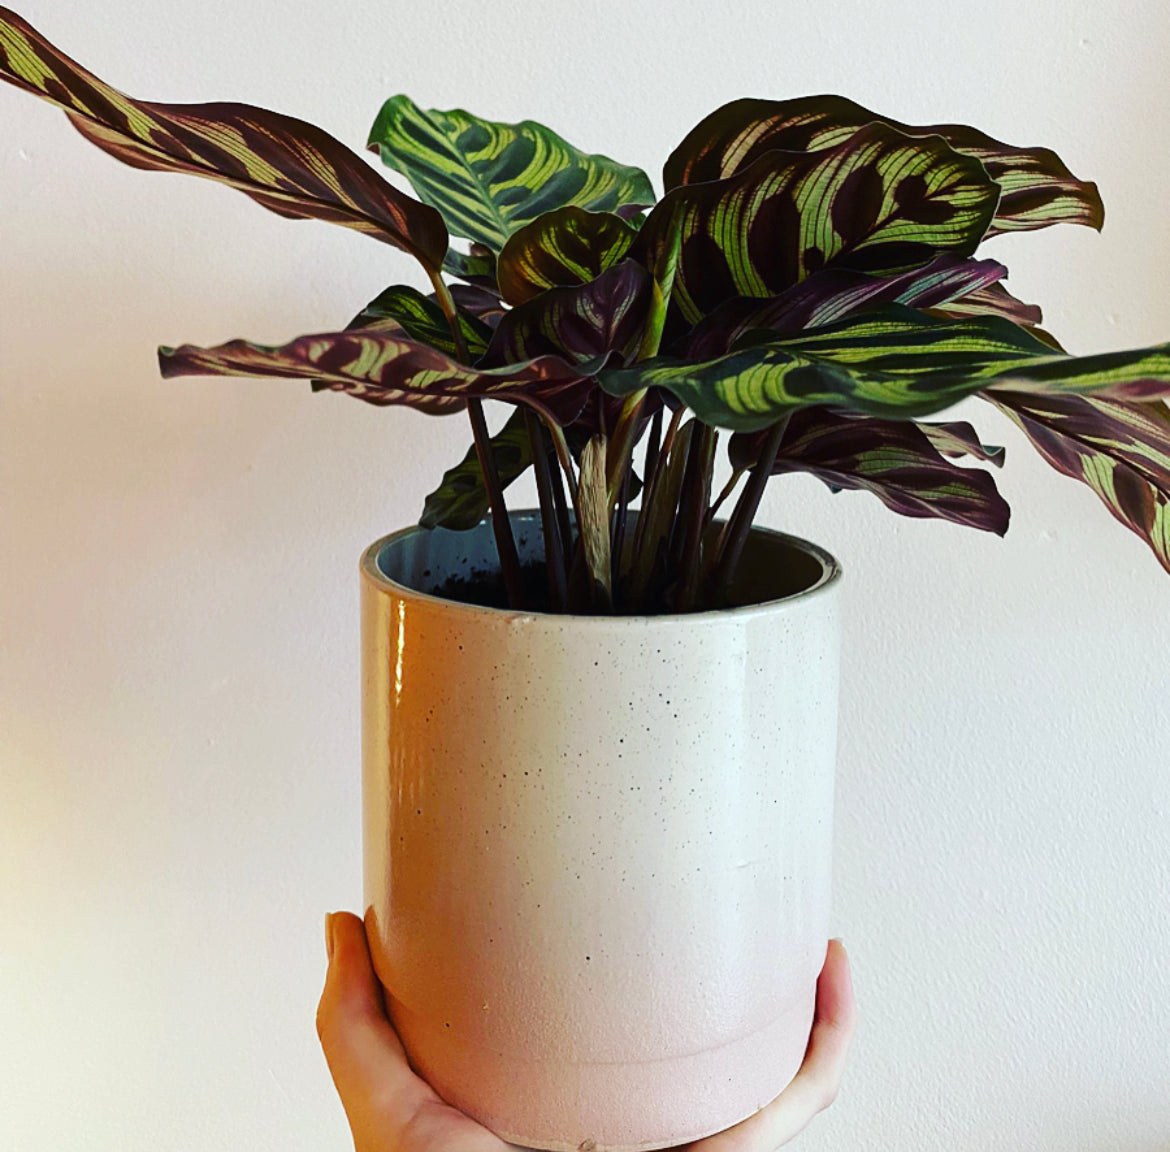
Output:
(773, 566)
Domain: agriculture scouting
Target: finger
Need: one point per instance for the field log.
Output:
(833, 1028)
(365, 1056)
(815, 1086)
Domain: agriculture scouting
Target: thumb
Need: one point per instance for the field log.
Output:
(365, 1056)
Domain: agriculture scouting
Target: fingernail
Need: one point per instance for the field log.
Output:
(329, 935)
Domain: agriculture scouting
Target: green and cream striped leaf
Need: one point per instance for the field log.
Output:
(895, 362)
(1120, 450)
(561, 249)
(390, 368)
(290, 167)
(489, 179)
(879, 202)
(1038, 189)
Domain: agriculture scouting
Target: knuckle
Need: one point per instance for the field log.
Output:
(323, 1019)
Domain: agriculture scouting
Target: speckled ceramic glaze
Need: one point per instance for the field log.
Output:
(598, 849)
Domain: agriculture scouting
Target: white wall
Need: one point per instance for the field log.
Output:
(178, 615)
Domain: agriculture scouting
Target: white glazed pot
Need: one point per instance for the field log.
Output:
(598, 849)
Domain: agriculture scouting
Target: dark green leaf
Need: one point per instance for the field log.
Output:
(461, 501)
(421, 318)
(477, 267)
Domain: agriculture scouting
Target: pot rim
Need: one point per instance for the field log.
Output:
(830, 576)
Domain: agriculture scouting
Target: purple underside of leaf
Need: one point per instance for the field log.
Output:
(893, 459)
(386, 368)
(959, 438)
(289, 166)
(479, 302)
(582, 322)
(993, 300)
(831, 295)
(1135, 433)
(1119, 449)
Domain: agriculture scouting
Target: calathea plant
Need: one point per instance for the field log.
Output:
(807, 284)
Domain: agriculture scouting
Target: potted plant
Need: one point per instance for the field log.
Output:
(599, 741)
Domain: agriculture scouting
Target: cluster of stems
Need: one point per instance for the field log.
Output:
(670, 556)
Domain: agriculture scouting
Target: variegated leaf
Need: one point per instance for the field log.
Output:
(893, 459)
(561, 248)
(478, 302)
(386, 368)
(990, 300)
(831, 295)
(477, 267)
(601, 413)
(1137, 434)
(1121, 450)
(288, 166)
(580, 323)
(893, 361)
(1038, 190)
(421, 318)
(488, 179)
(461, 501)
(958, 438)
(879, 202)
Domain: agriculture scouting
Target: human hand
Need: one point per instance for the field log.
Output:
(392, 1109)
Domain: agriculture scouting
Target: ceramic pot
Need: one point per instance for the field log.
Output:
(597, 849)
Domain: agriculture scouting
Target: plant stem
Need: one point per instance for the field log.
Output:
(554, 553)
(714, 549)
(728, 488)
(619, 524)
(595, 531)
(501, 525)
(662, 284)
(575, 556)
(735, 535)
(696, 515)
(689, 495)
(653, 439)
(650, 484)
(505, 543)
(558, 488)
(443, 296)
